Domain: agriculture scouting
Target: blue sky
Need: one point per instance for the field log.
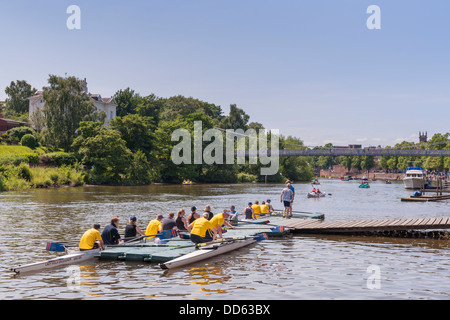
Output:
(311, 69)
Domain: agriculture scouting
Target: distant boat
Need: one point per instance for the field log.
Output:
(187, 182)
(315, 195)
(414, 178)
(315, 181)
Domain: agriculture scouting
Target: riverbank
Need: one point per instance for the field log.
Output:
(360, 175)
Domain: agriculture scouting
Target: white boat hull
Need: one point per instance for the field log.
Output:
(413, 183)
(206, 252)
(71, 258)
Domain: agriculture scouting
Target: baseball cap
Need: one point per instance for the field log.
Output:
(133, 218)
(160, 216)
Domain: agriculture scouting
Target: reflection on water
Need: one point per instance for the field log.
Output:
(300, 267)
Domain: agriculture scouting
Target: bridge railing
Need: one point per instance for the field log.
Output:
(349, 152)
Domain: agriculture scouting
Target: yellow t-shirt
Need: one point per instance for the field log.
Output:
(200, 226)
(88, 239)
(217, 220)
(264, 208)
(154, 227)
(256, 210)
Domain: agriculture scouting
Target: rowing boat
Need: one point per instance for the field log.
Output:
(71, 258)
(207, 251)
(315, 195)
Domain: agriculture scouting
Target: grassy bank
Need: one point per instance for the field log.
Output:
(23, 177)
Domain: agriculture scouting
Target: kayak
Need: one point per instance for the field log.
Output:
(364, 185)
(315, 195)
(207, 251)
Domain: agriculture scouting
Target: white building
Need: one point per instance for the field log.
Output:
(107, 105)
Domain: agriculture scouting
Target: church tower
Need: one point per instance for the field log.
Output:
(423, 137)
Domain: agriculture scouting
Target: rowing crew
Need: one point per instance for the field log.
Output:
(202, 229)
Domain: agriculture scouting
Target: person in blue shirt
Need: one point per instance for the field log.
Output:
(234, 215)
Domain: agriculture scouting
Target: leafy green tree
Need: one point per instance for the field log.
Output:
(127, 102)
(18, 93)
(137, 131)
(107, 155)
(237, 119)
(66, 105)
(138, 172)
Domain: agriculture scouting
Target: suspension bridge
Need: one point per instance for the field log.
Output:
(336, 152)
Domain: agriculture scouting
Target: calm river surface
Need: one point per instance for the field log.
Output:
(301, 267)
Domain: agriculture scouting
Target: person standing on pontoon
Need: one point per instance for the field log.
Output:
(287, 197)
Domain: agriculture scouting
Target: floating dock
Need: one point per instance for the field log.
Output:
(345, 227)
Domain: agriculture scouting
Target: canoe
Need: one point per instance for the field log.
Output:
(206, 252)
(315, 195)
(71, 258)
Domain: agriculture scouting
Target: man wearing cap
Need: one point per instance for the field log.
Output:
(131, 229)
(154, 227)
(249, 213)
(220, 219)
(91, 239)
(234, 215)
(110, 235)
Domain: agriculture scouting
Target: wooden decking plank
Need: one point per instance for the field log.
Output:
(302, 224)
(406, 222)
(419, 222)
(330, 225)
(431, 222)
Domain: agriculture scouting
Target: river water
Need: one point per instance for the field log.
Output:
(300, 267)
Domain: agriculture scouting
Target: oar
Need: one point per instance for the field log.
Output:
(258, 237)
(60, 247)
(273, 229)
(255, 222)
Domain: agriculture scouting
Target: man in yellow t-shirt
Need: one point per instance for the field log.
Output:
(201, 229)
(155, 226)
(89, 238)
(220, 219)
(264, 208)
(256, 209)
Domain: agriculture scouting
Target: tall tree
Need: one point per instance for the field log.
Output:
(127, 102)
(66, 105)
(18, 93)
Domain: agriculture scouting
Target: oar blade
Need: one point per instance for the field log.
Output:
(55, 246)
(261, 237)
(167, 234)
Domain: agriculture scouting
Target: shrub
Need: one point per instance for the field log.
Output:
(19, 132)
(246, 177)
(24, 172)
(59, 158)
(29, 141)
